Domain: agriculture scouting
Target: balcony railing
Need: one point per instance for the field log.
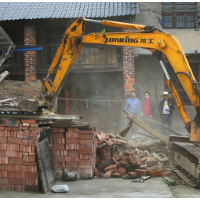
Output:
(90, 56)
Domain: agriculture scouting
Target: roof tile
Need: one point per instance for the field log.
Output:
(38, 10)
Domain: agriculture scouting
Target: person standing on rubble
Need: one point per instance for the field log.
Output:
(166, 106)
(148, 106)
(133, 105)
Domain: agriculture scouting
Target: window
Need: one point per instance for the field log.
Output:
(177, 84)
(179, 14)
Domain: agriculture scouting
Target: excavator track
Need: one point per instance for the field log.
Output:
(192, 154)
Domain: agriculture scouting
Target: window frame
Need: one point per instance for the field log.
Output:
(173, 12)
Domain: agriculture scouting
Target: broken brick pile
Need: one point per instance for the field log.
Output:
(117, 159)
(73, 150)
(18, 166)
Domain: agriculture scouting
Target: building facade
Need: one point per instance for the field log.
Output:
(100, 72)
(181, 20)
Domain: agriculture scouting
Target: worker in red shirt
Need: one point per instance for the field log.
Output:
(148, 106)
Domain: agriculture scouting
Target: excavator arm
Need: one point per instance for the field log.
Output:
(147, 37)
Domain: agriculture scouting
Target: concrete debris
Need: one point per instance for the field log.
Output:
(116, 158)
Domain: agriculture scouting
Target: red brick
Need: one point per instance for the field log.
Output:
(71, 141)
(28, 121)
(58, 130)
(133, 174)
(120, 164)
(3, 140)
(127, 159)
(86, 142)
(4, 181)
(20, 127)
(8, 128)
(110, 167)
(85, 162)
(101, 141)
(33, 129)
(15, 161)
(34, 125)
(31, 175)
(122, 156)
(59, 158)
(157, 173)
(71, 164)
(15, 181)
(2, 134)
(109, 143)
(117, 157)
(4, 174)
(12, 140)
(107, 174)
(58, 147)
(130, 157)
(14, 129)
(87, 149)
(2, 153)
(96, 172)
(114, 160)
(101, 135)
(121, 170)
(86, 156)
(140, 172)
(137, 159)
(14, 174)
(2, 128)
(3, 167)
(13, 154)
(86, 132)
(133, 162)
(75, 153)
(116, 175)
(108, 148)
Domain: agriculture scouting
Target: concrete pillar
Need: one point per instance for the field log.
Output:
(30, 56)
(128, 68)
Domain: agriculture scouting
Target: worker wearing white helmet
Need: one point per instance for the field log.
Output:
(166, 106)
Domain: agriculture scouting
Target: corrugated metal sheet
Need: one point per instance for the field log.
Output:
(41, 10)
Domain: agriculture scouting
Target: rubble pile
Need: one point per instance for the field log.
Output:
(116, 158)
(18, 166)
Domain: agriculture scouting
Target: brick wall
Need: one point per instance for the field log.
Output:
(18, 165)
(73, 150)
(128, 68)
(21, 90)
(30, 56)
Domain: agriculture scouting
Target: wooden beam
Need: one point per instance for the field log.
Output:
(125, 130)
(146, 127)
(163, 126)
(40, 117)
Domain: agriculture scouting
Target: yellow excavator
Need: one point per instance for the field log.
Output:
(160, 44)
